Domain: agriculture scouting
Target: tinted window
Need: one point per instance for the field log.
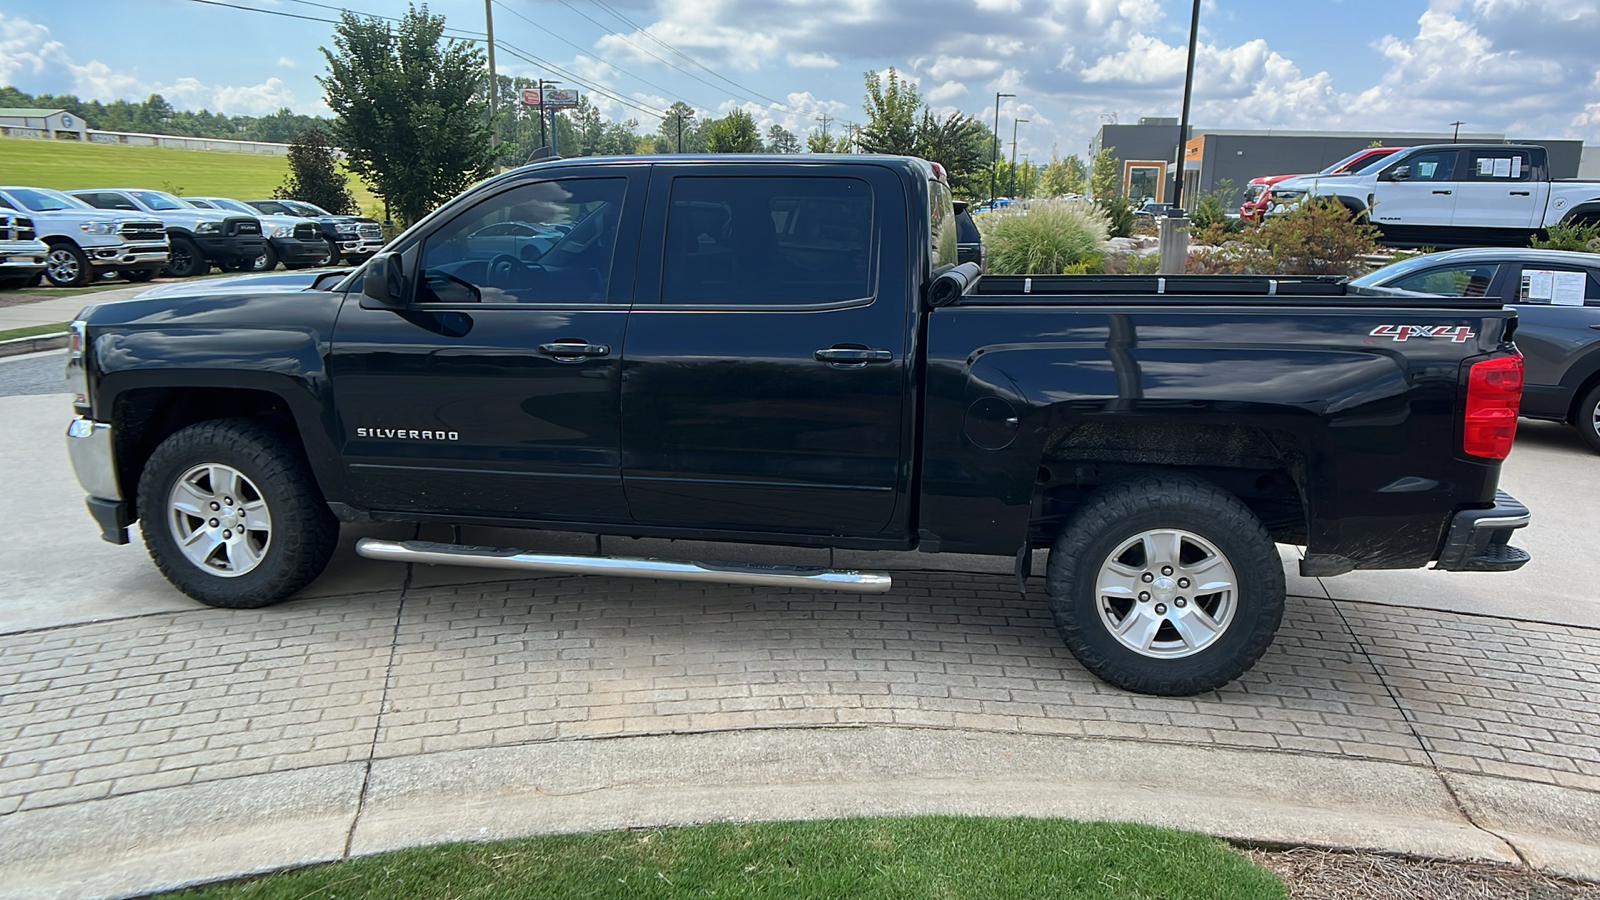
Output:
(967, 230)
(1450, 281)
(1433, 165)
(942, 224)
(768, 240)
(272, 207)
(547, 242)
(1498, 165)
(108, 200)
(43, 200)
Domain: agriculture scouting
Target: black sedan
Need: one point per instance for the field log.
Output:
(1557, 297)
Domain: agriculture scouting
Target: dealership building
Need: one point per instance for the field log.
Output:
(1145, 154)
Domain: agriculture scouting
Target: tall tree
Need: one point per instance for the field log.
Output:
(1063, 176)
(781, 140)
(1105, 176)
(960, 143)
(735, 132)
(680, 119)
(314, 175)
(411, 116)
(817, 142)
(893, 108)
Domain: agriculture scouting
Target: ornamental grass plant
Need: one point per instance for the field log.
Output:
(1045, 237)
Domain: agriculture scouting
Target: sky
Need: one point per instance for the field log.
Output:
(1525, 68)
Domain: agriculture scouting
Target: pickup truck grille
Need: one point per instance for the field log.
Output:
(242, 226)
(16, 228)
(307, 231)
(142, 232)
(371, 231)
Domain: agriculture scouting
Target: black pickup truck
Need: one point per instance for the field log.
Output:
(779, 350)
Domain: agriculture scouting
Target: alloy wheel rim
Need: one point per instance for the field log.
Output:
(62, 265)
(219, 520)
(1166, 593)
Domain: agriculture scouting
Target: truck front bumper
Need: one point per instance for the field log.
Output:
(295, 252)
(22, 259)
(1478, 539)
(128, 256)
(93, 453)
(232, 250)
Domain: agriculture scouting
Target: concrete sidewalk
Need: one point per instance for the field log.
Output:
(64, 308)
(149, 742)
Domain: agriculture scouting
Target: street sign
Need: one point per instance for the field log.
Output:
(530, 96)
(560, 99)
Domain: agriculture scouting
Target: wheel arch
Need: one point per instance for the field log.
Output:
(1583, 214)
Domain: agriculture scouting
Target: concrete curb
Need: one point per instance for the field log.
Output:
(24, 345)
(180, 836)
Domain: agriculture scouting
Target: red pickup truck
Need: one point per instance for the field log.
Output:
(1259, 191)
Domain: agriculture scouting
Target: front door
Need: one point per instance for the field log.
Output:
(492, 391)
(765, 387)
(1417, 191)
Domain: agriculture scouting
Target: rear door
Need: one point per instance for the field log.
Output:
(1419, 190)
(766, 376)
(1499, 189)
(1558, 326)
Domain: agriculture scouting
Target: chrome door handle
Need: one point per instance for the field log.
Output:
(1444, 192)
(856, 355)
(573, 351)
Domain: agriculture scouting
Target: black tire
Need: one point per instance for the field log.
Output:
(266, 262)
(333, 254)
(1588, 418)
(9, 284)
(138, 276)
(67, 266)
(187, 260)
(296, 545)
(1120, 513)
(35, 281)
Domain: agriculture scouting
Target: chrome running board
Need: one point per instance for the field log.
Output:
(435, 554)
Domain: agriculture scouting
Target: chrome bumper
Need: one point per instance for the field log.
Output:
(22, 257)
(90, 446)
(1478, 540)
(128, 255)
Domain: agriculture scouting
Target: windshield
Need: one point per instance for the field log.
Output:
(41, 200)
(158, 200)
(306, 209)
(197, 203)
(1376, 164)
(1394, 270)
(1338, 166)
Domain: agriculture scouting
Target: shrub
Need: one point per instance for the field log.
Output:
(1580, 236)
(1119, 213)
(1045, 238)
(1321, 237)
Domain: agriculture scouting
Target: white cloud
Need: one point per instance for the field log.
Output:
(287, 62)
(811, 60)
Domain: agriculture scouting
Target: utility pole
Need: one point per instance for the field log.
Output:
(1183, 122)
(824, 119)
(994, 157)
(1014, 124)
(681, 117)
(494, 85)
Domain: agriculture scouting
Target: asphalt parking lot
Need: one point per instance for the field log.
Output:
(149, 741)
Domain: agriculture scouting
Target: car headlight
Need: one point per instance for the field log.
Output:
(346, 227)
(283, 231)
(98, 227)
(208, 228)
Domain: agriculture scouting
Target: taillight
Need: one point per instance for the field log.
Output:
(1494, 396)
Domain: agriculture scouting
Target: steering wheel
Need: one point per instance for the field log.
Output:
(506, 271)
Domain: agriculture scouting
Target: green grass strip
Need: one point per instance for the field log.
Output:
(33, 331)
(924, 857)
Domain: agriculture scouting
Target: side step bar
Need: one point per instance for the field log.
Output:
(435, 554)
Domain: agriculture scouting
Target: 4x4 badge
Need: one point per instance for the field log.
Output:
(1459, 334)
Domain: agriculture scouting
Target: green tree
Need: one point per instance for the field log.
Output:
(411, 115)
(894, 108)
(960, 144)
(680, 115)
(314, 175)
(781, 140)
(1063, 176)
(735, 132)
(1105, 177)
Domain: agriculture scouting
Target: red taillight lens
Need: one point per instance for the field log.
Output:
(1494, 396)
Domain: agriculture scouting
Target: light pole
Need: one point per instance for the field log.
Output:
(994, 158)
(1174, 227)
(544, 139)
(494, 85)
(1014, 124)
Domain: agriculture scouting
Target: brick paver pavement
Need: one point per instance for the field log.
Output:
(95, 710)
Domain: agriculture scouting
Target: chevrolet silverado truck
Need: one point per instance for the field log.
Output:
(1453, 195)
(785, 351)
(22, 254)
(85, 242)
(354, 238)
(291, 240)
(201, 238)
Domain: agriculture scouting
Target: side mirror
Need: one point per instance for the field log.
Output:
(1400, 173)
(384, 280)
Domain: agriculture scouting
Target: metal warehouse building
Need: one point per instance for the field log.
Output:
(1145, 153)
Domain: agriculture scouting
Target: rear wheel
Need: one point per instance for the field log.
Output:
(66, 266)
(1588, 418)
(1166, 585)
(232, 516)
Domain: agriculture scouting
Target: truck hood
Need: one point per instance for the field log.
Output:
(260, 283)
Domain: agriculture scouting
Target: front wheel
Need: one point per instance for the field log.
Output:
(232, 516)
(66, 266)
(1166, 585)
(1588, 418)
(187, 261)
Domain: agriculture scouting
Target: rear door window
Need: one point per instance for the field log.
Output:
(1499, 165)
(1558, 286)
(1473, 280)
(768, 240)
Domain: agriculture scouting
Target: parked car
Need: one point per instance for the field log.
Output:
(806, 364)
(201, 238)
(969, 241)
(84, 242)
(1258, 194)
(22, 254)
(1454, 195)
(1557, 298)
(295, 242)
(1151, 209)
(352, 238)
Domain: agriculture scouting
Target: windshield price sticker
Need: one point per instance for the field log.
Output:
(1458, 334)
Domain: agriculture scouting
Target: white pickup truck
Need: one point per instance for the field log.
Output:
(1453, 195)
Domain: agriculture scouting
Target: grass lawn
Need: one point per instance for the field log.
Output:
(33, 331)
(937, 857)
(67, 165)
